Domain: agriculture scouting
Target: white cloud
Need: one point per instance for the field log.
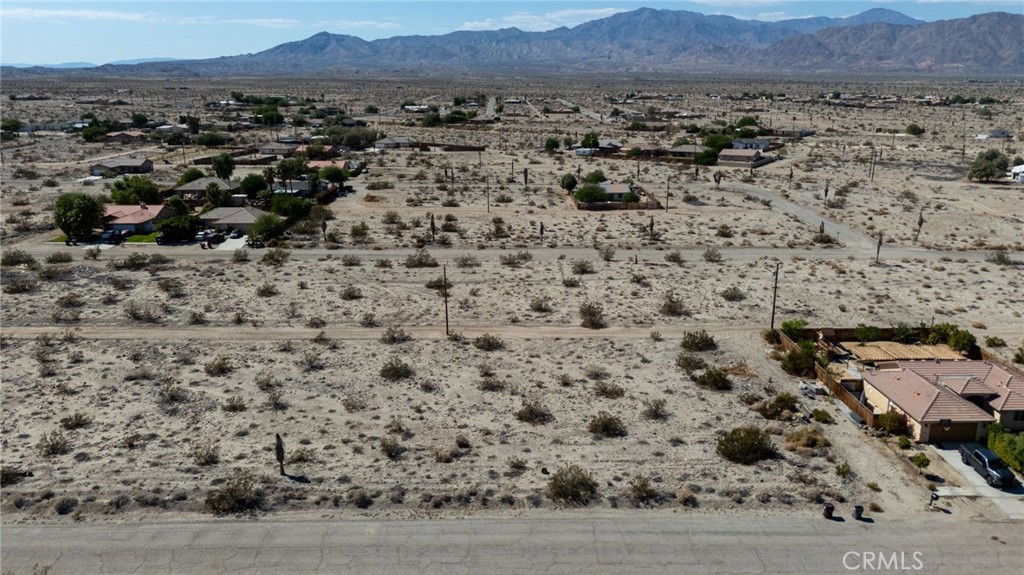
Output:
(268, 22)
(47, 14)
(547, 21)
(362, 24)
(772, 16)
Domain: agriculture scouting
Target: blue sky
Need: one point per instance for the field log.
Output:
(45, 32)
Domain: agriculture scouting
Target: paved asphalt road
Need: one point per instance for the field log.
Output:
(558, 543)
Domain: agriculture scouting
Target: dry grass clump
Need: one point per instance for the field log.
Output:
(808, 441)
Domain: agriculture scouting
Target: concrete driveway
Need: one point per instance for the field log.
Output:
(1009, 500)
(231, 244)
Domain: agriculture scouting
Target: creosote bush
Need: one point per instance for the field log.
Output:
(54, 443)
(421, 258)
(394, 335)
(534, 412)
(745, 445)
(782, 406)
(642, 491)
(605, 424)
(592, 315)
(391, 447)
(608, 390)
(698, 341)
(74, 421)
(395, 369)
(673, 305)
(573, 485)
(239, 494)
(713, 378)
(488, 342)
(690, 363)
(656, 408)
(581, 267)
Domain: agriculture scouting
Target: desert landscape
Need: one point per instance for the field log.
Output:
(143, 381)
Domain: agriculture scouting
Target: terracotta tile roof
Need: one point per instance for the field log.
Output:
(1006, 384)
(875, 351)
(921, 400)
(131, 213)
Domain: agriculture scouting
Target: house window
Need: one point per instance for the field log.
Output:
(1018, 416)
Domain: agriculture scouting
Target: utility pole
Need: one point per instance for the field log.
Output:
(487, 191)
(775, 292)
(878, 249)
(444, 290)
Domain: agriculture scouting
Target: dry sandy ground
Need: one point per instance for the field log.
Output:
(155, 408)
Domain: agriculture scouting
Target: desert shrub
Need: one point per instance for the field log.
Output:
(316, 322)
(713, 378)
(515, 260)
(571, 282)
(592, 315)
(19, 284)
(581, 267)
(234, 404)
(240, 256)
(516, 465)
(218, 366)
(807, 440)
(311, 361)
(904, 442)
(642, 491)
(491, 384)
(238, 494)
(606, 425)
(655, 408)
(466, 261)
(698, 341)
(724, 231)
(351, 293)
(394, 335)
(368, 320)
(488, 342)
(395, 369)
(994, 341)
(206, 453)
(712, 255)
(673, 305)
(142, 312)
(17, 257)
(276, 257)
(92, 253)
(59, 258)
(781, 406)
(686, 497)
(541, 304)
(920, 461)
(675, 257)
(745, 445)
(822, 416)
(534, 412)
(53, 443)
(690, 363)
(76, 420)
(608, 390)
(391, 447)
(873, 486)
(420, 259)
(733, 293)
(573, 485)
(844, 470)
(999, 257)
(606, 252)
(133, 262)
(65, 505)
(267, 290)
(892, 422)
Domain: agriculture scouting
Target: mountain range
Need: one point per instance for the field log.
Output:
(877, 41)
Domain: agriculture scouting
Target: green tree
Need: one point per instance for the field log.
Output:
(590, 140)
(139, 120)
(595, 177)
(551, 145)
(77, 214)
(223, 166)
(190, 175)
(914, 130)
(289, 169)
(746, 121)
(11, 124)
(135, 190)
(180, 227)
(569, 182)
(217, 196)
(252, 185)
(289, 206)
(589, 193)
(269, 115)
(267, 227)
(718, 142)
(865, 333)
(210, 139)
(178, 205)
(333, 174)
(371, 109)
(989, 165)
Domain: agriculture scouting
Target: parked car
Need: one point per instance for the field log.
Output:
(111, 237)
(201, 237)
(235, 234)
(161, 240)
(215, 238)
(988, 465)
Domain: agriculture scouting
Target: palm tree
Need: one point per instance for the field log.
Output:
(268, 176)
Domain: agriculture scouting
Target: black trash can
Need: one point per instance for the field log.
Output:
(858, 511)
(827, 510)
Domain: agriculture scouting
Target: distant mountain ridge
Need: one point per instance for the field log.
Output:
(643, 40)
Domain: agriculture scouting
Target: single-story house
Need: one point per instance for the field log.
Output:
(139, 218)
(1017, 174)
(932, 412)
(352, 123)
(234, 218)
(995, 135)
(125, 137)
(742, 158)
(277, 149)
(616, 192)
(762, 144)
(997, 390)
(195, 191)
(168, 129)
(122, 166)
(393, 142)
(687, 151)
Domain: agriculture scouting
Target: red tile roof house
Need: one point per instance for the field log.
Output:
(138, 218)
(947, 400)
